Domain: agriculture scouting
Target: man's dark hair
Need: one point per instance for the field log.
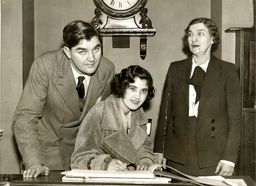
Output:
(77, 30)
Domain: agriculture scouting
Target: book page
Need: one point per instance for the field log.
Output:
(109, 174)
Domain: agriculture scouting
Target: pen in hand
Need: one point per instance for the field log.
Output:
(131, 167)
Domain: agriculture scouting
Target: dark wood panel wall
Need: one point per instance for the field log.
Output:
(27, 36)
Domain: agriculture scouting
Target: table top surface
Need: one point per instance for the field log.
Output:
(55, 178)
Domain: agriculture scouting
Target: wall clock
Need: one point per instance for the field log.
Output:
(120, 8)
(124, 18)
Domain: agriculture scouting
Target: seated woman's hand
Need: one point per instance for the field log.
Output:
(160, 159)
(144, 164)
(116, 165)
(35, 171)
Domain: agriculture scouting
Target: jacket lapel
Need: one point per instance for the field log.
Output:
(116, 141)
(95, 88)
(210, 82)
(184, 74)
(120, 147)
(65, 83)
(137, 134)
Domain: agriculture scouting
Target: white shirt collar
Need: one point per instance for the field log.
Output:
(204, 66)
(77, 74)
(193, 108)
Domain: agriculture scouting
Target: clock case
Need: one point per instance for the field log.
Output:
(124, 23)
(120, 13)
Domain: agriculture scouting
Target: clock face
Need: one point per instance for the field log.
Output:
(120, 4)
(120, 8)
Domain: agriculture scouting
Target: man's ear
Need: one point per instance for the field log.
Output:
(67, 52)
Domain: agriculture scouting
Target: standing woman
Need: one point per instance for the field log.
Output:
(113, 134)
(199, 124)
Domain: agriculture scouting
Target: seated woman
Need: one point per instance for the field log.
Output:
(113, 134)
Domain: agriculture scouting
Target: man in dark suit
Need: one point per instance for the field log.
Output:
(199, 123)
(62, 86)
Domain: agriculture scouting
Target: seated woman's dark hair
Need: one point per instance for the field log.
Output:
(126, 76)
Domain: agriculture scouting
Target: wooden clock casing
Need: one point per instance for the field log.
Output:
(124, 18)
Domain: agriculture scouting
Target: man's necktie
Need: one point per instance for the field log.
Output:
(80, 87)
(197, 80)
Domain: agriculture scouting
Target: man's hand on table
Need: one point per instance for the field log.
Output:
(35, 171)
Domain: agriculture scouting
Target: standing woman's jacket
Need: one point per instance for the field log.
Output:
(219, 114)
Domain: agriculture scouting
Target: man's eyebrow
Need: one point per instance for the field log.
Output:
(81, 48)
(202, 29)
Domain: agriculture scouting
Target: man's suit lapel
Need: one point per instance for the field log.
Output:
(211, 81)
(94, 91)
(65, 83)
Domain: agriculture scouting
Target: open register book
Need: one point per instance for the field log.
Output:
(154, 175)
(102, 176)
(201, 180)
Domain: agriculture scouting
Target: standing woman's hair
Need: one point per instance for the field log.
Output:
(126, 76)
(210, 24)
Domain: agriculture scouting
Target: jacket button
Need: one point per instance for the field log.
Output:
(212, 136)
(213, 128)
(213, 120)
(59, 139)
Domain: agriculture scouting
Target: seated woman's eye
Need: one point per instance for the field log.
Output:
(132, 88)
(145, 91)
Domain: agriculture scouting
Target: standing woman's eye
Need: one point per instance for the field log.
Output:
(200, 33)
(190, 34)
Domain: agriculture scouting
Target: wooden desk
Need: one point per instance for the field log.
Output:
(55, 179)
